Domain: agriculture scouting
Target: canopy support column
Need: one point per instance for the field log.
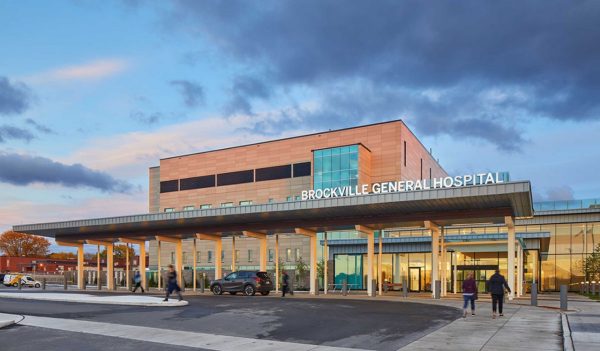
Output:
(262, 237)
(370, 232)
(511, 255)
(218, 250)
(313, 257)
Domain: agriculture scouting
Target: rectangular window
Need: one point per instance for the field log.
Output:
(209, 256)
(298, 257)
(188, 208)
(172, 257)
(237, 255)
(297, 198)
(272, 173)
(169, 186)
(205, 206)
(289, 198)
(222, 256)
(197, 256)
(239, 177)
(288, 254)
(169, 209)
(271, 255)
(184, 257)
(197, 182)
(405, 154)
(245, 202)
(430, 173)
(302, 169)
(249, 255)
(227, 204)
(421, 169)
(271, 201)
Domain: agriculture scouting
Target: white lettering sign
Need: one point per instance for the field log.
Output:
(402, 186)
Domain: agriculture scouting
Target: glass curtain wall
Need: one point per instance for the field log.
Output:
(336, 167)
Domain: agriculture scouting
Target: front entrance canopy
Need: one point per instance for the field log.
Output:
(472, 204)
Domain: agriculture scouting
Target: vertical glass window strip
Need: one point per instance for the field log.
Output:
(209, 256)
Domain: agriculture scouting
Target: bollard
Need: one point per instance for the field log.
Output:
(581, 288)
(65, 281)
(345, 287)
(563, 297)
(533, 294)
(404, 288)
(44, 284)
(202, 284)
(373, 288)
(593, 288)
(20, 284)
(317, 286)
(438, 289)
(115, 283)
(598, 288)
(99, 281)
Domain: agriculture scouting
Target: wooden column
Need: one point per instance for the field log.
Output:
(511, 255)
(218, 249)
(262, 237)
(195, 258)
(80, 261)
(277, 263)
(379, 264)
(142, 260)
(370, 232)
(178, 256)
(435, 252)
(313, 257)
(325, 261)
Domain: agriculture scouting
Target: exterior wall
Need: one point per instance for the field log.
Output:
(154, 190)
(384, 162)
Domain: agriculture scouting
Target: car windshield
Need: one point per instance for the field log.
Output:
(263, 275)
(29, 278)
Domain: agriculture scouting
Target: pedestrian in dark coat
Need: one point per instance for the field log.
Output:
(496, 286)
(469, 288)
(172, 283)
(285, 283)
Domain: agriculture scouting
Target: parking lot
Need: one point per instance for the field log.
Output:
(360, 324)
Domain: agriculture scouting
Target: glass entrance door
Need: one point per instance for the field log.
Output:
(414, 283)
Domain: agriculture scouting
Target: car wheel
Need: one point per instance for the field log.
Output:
(264, 293)
(217, 290)
(37, 285)
(233, 292)
(249, 290)
(15, 285)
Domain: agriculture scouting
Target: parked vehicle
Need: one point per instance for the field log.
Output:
(12, 279)
(247, 282)
(30, 282)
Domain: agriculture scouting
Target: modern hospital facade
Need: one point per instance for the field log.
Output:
(367, 205)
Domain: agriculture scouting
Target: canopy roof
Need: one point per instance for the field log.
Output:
(472, 204)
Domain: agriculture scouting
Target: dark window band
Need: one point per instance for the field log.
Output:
(197, 182)
(235, 177)
(272, 173)
(302, 169)
(169, 186)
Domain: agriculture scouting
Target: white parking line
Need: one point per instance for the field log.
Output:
(171, 337)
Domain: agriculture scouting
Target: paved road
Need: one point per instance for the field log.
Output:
(377, 325)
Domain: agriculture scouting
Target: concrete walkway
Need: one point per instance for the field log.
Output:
(523, 328)
(584, 325)
(130, 300)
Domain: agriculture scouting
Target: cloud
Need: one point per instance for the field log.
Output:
(193, 93)
(130, 154)
(246, 88)
(146, 118)
(15, 98)
(9, 132)
(92, 70)
(23, 170)
(533, 63)
(40, 127)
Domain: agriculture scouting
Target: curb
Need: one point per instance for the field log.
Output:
(8, 319)
(98, 302)
(566, 331)
(6, 323)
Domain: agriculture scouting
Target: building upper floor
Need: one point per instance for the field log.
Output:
(279, 170)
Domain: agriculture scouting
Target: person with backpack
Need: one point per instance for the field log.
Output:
(285, 283)
(496, 286)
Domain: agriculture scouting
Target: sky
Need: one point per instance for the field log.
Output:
(92, 93)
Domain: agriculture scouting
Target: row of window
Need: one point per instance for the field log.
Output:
(229, 204)
(290, 256)
(302, 169)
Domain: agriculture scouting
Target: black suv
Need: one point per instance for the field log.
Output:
(248, 282)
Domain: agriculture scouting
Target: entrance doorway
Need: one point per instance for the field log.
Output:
(414, 279)
(481, 273)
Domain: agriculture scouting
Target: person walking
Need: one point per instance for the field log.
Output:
(172, 283)
(469, 288)
(285, 283)
(137, 279)
(496, 286)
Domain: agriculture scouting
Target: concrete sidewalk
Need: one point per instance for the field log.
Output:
(8, 319)
(525, 328)
(584, 324)
(130, 300)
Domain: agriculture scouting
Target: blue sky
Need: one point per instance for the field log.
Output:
(92, 93)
